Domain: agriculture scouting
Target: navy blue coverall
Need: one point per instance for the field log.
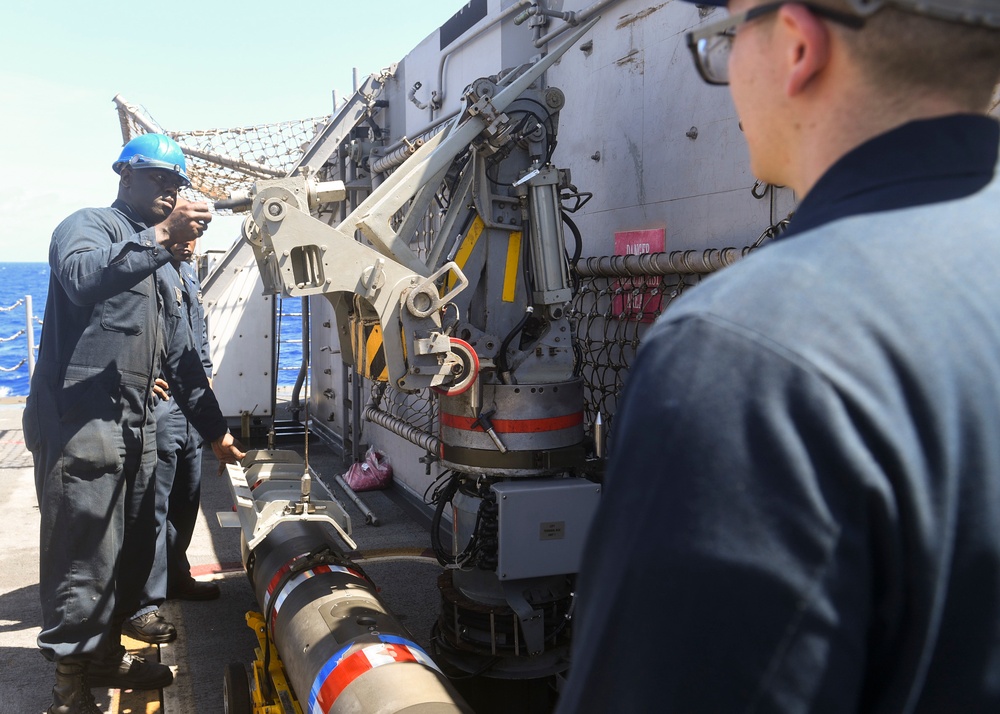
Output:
(88, 422)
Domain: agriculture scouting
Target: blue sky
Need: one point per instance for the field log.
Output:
(192, 65)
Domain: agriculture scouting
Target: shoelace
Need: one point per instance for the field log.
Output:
(144, 620)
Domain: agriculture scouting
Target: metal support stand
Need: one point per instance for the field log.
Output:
(370, 517)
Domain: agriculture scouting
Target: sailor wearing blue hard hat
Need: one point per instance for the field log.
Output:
(801, 508)
(88, 419)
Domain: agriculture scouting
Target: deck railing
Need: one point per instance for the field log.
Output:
(29, 330)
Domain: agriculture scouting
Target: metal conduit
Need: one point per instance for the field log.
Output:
(428, 442)
(578, 19)
(370, 517)
(678, 262)
(401, 152)
(428, 130)
(437, 98)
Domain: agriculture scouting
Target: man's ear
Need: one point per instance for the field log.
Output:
(126, 177)
(807, 42)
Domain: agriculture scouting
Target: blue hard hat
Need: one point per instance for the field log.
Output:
(153, 151)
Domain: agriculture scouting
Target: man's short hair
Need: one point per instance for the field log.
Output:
(903, 52)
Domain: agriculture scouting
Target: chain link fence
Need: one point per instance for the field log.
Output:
(612, 316)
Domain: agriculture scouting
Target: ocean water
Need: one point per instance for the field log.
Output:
(18, 280)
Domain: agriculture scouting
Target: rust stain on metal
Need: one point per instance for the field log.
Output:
(627, 20)
(630, 58)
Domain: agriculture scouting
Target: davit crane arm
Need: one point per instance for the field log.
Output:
(386, 285)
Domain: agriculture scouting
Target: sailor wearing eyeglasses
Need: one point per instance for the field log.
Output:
(802, 505)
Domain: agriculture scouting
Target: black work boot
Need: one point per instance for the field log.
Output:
(129, 671)
(151, 628)
(71, 695)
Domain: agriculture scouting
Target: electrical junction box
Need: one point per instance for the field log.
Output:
(543, 525)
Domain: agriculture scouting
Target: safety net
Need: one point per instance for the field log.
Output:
(223, 161)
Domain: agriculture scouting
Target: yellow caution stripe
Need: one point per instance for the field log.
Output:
(510, 270)
(466, 248)
(369, 353)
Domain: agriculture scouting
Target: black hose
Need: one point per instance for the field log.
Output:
(376, 129)
(502, 366)
(444, 498)
(239, 203)
(574, 276)
(578, 354)
(577, 239)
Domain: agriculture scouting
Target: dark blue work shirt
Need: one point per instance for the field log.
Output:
(104, 333)
(802, 506)
(88, 423)
(196, 314)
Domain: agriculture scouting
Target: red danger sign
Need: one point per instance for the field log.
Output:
(634, 299)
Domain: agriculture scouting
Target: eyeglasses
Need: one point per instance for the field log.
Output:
(166, 180)
(711, 45)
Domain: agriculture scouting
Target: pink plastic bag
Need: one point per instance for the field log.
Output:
(373, 473)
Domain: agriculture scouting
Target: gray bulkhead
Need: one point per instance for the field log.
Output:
(658, 149)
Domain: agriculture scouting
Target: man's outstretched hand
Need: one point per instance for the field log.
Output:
(227, 450)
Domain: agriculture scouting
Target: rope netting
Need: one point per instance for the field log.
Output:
(223, 161)
(417, 409)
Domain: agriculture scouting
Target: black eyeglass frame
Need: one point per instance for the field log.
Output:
(727, 27)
